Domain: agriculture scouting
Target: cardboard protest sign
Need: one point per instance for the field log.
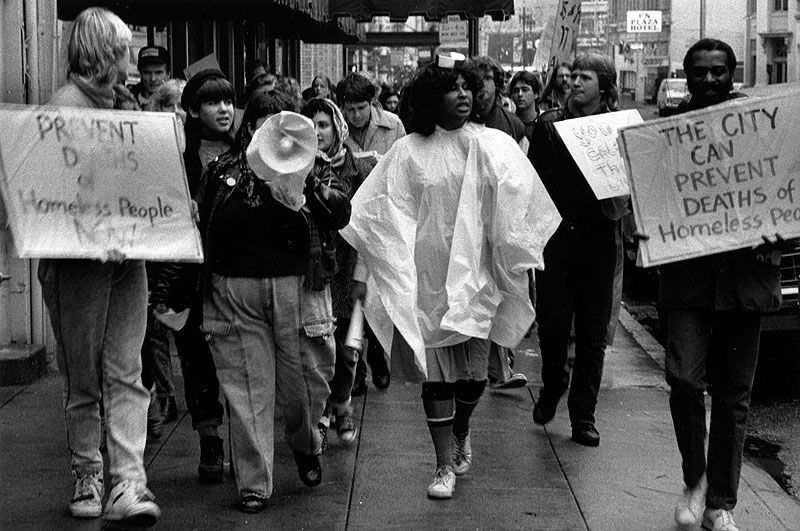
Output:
(715, 179)
(559, 38)
(592, 142)
(81, 183)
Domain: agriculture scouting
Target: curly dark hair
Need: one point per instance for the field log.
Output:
(426, 90)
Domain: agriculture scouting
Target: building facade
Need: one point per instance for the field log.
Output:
(771, 45)
(642, 56)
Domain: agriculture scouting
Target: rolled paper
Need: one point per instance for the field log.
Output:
(355, 332)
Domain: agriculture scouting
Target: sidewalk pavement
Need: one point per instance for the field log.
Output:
(523, 476)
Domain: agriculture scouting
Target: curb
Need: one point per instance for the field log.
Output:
(642, 337)
(753, 477)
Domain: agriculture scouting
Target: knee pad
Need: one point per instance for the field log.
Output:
(435, 391)
(468, 391)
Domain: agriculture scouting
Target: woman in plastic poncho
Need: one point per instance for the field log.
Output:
(448, 223)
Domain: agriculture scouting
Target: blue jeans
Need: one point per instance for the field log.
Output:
(156, 359)
(272, 343)
(200, 383)
(99, 315)
(345, 370)
(718, 350)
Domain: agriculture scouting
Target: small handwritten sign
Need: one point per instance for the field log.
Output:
(715, 179)
(592, 142)
(80, 183)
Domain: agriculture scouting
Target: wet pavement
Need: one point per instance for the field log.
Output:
(523, 476)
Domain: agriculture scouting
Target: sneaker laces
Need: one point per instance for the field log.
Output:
(345, 422)
(462, 453)
(726, 517)
(441, 474)
(87, 487)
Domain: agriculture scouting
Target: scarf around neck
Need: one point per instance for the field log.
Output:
(101, 96)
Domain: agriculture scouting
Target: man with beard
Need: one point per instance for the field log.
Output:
(488, 105)
(557, 90)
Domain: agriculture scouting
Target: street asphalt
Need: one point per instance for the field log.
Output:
(523, 476)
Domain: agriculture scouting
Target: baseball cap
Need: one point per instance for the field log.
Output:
(153, 54)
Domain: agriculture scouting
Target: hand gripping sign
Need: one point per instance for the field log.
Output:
(93, 183)
(715, 179)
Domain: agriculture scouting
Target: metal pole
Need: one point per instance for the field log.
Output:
(472, 36)
(702, 19)
(522, 55)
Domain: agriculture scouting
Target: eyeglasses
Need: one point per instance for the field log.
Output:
(702, 71)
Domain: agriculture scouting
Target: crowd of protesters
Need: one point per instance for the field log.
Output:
(314, 203)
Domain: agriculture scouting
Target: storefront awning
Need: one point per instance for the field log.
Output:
(307, 19)
(399, 10)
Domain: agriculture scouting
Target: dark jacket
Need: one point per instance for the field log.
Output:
(504, 120)
(744, 280)
(268, 240)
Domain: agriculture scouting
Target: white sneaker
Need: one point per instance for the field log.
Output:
(444, 483)
(719, 520)
(132, 504)
(87, 502)
(462, 455)
(513, 381)
(689, 509)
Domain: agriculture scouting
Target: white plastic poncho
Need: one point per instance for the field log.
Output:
(448, 226)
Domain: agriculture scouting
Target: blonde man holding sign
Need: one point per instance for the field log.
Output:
(713, 305)
(580, 258)
(99, 311)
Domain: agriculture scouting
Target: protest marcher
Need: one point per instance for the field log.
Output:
(322, 87)
(488, 106)
(713, 306)
(267, 303)
(291, 87)
(490, 111)
(167, 98)
(257, 76)
(154, 69)
(208, 99)
(557, 91)
(389, 99)
(371, 133)
(156, 358)
(441, 190)
(524, 89)
(578, 281)
(334, 156)
(98, 310)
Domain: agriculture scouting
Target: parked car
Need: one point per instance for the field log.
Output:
(787, 318)
(670, 94)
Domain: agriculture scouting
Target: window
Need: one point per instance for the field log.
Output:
(781, 5)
